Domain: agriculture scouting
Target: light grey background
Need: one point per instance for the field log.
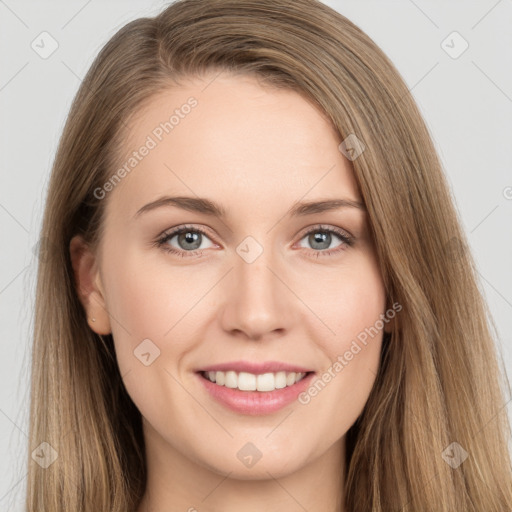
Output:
(466, 101)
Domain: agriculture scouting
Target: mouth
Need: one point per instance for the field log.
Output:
(245, 381)
(254, 387)
(257, 392)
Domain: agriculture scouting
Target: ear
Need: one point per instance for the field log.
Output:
(89, 285)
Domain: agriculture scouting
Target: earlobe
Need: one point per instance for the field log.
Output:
(88, 285)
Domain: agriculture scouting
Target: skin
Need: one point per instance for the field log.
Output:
(255, 150)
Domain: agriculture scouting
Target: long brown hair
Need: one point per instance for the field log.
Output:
(439, 379)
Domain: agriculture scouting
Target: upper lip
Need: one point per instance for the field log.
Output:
(255, 367)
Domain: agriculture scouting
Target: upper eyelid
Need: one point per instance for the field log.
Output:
(169, 233)
(325, 227)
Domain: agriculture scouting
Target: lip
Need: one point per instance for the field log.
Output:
(254, 403)
(255, 368)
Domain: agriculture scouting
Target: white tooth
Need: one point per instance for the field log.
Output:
(231, 380)
(246, 381)
(265, 382)
(249, 382)
(290, 378)
(280, 380)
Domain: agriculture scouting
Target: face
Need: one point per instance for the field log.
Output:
(266, 292)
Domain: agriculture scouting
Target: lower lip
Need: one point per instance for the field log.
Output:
(255, 402)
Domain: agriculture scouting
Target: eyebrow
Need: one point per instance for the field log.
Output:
(208, 207)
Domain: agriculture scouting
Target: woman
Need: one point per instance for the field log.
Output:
(257, 369)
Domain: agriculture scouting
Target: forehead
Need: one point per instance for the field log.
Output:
(230, 138)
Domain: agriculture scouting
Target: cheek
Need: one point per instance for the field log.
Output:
(352, 307)
(349, 300)
(148, 306)
(147, 299)
(157, 311)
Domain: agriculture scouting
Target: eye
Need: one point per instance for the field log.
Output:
(189, 240)
(321, 237)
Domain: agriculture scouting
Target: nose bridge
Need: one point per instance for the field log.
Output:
(258, 301)
(253, 278)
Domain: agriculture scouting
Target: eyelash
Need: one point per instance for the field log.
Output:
(348, 241)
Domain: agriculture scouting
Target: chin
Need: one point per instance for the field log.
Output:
(239, 466)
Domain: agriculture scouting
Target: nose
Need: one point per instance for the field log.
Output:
(259, 304)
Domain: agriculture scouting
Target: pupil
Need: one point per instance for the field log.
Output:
(190, 238)
(321, 238)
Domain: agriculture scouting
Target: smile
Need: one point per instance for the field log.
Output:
(245, 381)
(254, 394)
